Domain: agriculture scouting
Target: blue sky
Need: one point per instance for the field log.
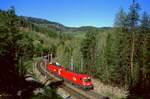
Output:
(73, 12)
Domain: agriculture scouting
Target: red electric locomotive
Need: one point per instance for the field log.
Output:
(81, 80)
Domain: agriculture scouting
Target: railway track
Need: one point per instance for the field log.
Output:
(75, 92)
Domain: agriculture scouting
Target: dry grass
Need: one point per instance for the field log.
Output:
(107, 90)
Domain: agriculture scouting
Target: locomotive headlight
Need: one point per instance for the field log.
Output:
(74, 78)
(84, 84)
(88, 84)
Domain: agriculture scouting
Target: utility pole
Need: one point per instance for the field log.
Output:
(81, 63)
(42, 54)
(72, 66)
(45, 69)
(51, 57)
(48, 58)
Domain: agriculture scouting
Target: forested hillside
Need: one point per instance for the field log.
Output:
(118, 55)
(19, 43)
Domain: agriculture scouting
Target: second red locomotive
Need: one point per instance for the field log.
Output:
(81, 80)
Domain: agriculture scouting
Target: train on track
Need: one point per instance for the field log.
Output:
(82, 81)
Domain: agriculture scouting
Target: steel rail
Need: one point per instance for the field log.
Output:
(74, 91)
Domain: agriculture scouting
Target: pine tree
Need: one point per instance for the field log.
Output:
(145, 23)
(121, 24)
(144, 59)
(121, 19)
(133, 18)
(88, 50)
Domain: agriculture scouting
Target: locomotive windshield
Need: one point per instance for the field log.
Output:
(57, 64)
(87, 80)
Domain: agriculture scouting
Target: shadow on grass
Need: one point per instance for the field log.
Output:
(12, 82)
(139, 92)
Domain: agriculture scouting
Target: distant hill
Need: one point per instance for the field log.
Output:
(43, 23)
